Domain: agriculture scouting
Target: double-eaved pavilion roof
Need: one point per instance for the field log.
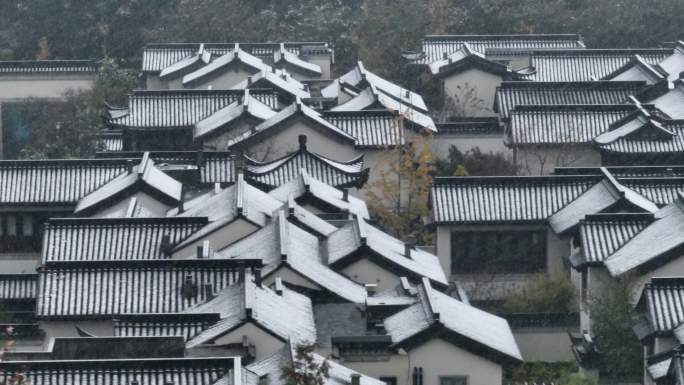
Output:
(435, 46)
(509, 95)
(273, 174)
(575, 65)
(167, 109)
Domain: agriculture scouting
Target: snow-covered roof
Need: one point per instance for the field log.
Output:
(286, 314)
(275, 78)
(201, 57)
(87, 239)
(509, 95)
(270, 175)
(643, 133)
(110, 140)
(576, 65)
(54, 182)
(156, 57)
(358, 239)
(269, 369)
(186, 325)
(435, 46)
(179, 108)
(602, 234)
(145, 177)
(637, 69)
(661, 239)
(466, 58)
(48, 67)
(664, 298)
(249, 105)
(605, 196)
(480, 331)
(563, 124)
(673, 65)
(15, 287)
(103, 289)
(370, 128)
(144, 371)
(279, 121)
(284, 58)
(306, 186)
(667, 171)
(235, 57)
(668, 96)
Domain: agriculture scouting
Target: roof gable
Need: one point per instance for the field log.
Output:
(602, 234)
(248, 106)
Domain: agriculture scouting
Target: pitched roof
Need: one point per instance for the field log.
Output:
(637, 69)
(286, 314)
(625, 171)
(673, 65)
(50, 67)
(186, 325)
(465, 58)
(273, 174)
(145, 177)
(67, 240)
(275, 78)
(358, 239)
(269, 369)
(249, 106)
(586, 64)
(668, 96)
(236, 56)
(180, 108)
(284, 244)
(159, 56)
(294, 110)
(110, 140)
(563, 124)
(434, 46)
(146, 371)
(306, 186)
(212, 166)
(661, 239)
(463, 200)
(471, 126)
(664, 298)
(602, 234)
(480, 332)
(20, 287)
(643, 133)
(282, 57)
(370, 128)
(54, 182)
(512, 94)
(103, 289)
(606, 195)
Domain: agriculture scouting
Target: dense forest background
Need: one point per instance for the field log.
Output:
(375, 30)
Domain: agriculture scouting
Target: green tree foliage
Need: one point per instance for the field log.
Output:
(547, 294)
(474, 162)
(67, 129)
(611, 325)
(305, 368)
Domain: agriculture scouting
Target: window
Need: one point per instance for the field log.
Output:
(498, 252)
(389, 380)
(27, 226)
(453, 380)
(11, 226)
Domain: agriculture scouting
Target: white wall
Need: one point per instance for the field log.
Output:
(364, 271)
(14, 87)
(483, 82)
(144, 200)
(543, 160)
(544, 344)
(441, 143)
(264, 343)
(219, 239)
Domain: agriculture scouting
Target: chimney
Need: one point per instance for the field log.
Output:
(200, 251)
(302, 142)
(408, 94)
(208, 292)
(445, 55)
(165, 245)
(189, 288)
(200, 158)
(409, 245)
(129, 166)
(257, 277)
(181, 207)
(279, 286)
(355, 379)
(371, 288)
(249, 80)
(345, 194)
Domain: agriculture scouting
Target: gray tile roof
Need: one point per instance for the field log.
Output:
(103, 289)
(664, 299)
(185, 371)
(180, 108)
(248, 106)
(512, 94)
(18, 287)
(471, 126)
(563, 124)
(288, 314)
(186, 325)
(370, 128)
(273, 78)
(68, 240)
(586, 64)
(463, 200)
(156, 57)
(643, 134)
(602, 234)
(339, 174)
(50, 67)
(625, 171)
(435, 46)
(660, 240)
(435, 310)
(110, 140)
(54, 182)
